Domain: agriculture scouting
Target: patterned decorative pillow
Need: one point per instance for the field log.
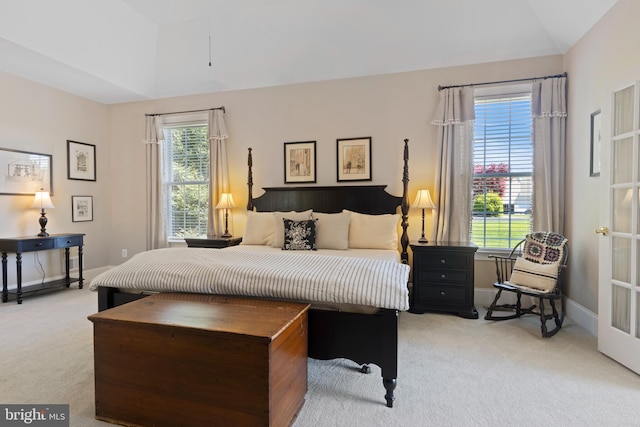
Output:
(544, 247)
(299, 235)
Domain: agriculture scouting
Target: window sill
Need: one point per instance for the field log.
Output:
(483, 253)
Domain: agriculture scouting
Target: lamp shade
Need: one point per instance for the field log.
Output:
(423, 200)
(42, 200)
(226, 201)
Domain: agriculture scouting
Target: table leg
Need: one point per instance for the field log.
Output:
(80, 278)
(5, 290)
(66, 267)
(19, 277)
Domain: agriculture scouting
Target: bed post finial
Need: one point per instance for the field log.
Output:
(250, 181)
(404, 240)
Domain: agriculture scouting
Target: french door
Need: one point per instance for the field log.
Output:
(619, 248)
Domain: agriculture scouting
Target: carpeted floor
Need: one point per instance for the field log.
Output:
(453, 372)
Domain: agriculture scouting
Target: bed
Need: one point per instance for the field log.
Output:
(364, 330)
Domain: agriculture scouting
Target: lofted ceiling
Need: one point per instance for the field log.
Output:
(116, 51)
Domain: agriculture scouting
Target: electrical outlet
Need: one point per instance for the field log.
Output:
(124, 253)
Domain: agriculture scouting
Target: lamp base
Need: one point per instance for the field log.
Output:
(43, 223)
(423, 240)
(226, 235)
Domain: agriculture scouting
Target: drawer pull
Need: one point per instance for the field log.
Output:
(442, 261)
(442, 293)
(443, 276)
(38, 244)
(68, 242)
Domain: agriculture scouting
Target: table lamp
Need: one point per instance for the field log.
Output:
(42, 200)
(226, 202)
(423, 201)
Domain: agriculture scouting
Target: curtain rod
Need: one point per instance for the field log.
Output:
(184, 112)
(505, 81)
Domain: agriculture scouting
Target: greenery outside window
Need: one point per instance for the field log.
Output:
(502, 169)
(186, 158)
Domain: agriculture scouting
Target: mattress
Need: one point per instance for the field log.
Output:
(329, 278)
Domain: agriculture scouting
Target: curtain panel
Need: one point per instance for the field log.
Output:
(549, 110)
(454, 171)
(156, 197)
(218, 171)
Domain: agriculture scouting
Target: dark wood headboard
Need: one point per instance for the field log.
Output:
(368, 199)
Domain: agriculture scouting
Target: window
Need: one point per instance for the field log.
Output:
(186, 174)
(502, 169)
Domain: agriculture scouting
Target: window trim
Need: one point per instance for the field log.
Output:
(497, 92)
(174, 121)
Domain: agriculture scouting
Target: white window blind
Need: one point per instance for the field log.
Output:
(502, 170)
(187, 179)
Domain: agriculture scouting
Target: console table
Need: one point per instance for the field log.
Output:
(19, 245)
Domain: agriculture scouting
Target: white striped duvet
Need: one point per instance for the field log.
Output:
(290, 275)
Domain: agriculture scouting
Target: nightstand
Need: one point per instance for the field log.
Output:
(443, 278)
(215, 243)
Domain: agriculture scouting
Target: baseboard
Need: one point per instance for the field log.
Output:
(90, 274)
(577, 313)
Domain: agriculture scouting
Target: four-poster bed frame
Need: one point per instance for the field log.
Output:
(362, 338)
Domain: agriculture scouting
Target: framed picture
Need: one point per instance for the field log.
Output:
(299, 162)
(81, 161)
(354, 159)
(24, 172)
(81, 208)
(596, 125)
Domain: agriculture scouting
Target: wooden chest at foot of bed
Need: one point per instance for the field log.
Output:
(190, 359)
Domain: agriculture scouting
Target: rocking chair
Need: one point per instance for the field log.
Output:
(534, 268)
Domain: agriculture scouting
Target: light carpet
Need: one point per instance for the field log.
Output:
(452, 372)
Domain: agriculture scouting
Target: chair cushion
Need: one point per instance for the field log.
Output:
(533, 275)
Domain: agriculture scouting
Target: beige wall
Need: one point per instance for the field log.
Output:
(39, 119)
(605, 59)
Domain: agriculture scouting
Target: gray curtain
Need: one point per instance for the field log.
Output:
(454, 172)
(156, 198)
(218, 171)
(549, 109)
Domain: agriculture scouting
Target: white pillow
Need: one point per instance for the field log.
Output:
(534, 275)
(373, 231)
(332, 230)
(259, 229)
(278, 235)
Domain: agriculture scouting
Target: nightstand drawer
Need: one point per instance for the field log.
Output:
(445, 260)
(444, 294)
(443, 276)
(69, 241)
(37, 245)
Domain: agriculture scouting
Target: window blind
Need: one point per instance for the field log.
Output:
(502, 170)
(187, 182)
